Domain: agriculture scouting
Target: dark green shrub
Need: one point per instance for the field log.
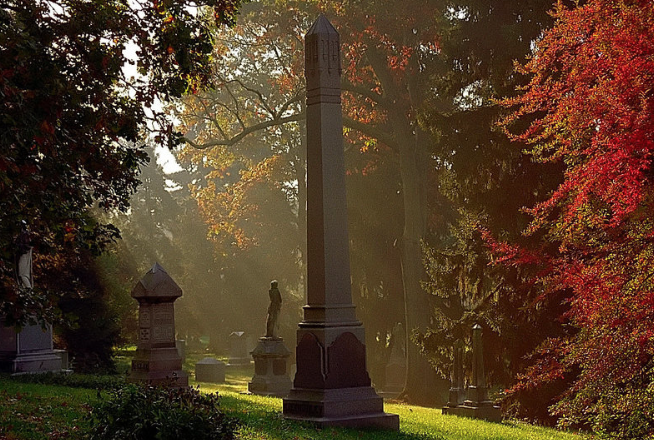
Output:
(74, 380)
(139, 412)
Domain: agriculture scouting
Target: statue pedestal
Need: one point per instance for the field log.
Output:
(270, 368)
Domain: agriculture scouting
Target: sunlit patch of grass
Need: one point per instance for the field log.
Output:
(47, 412)
(262, 419)
(34, 411)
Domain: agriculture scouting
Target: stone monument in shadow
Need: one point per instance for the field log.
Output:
(157, 361)
(476, 403)
(29, 350)
(271, 355)
(332, 385)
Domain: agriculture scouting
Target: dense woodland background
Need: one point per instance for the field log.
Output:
(498, 160)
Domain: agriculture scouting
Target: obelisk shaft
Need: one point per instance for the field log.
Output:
(331, 385)
(329, 295)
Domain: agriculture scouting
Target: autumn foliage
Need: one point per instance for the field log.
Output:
(590, 106)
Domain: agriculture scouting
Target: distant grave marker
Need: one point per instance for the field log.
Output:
(210, 370)
(476, 405)
(238, 350)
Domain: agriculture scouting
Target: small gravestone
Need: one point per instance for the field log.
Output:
(210, 370)
(157, 361)
(476, 405)
(180, 345)
(31, 349)
(396, 367)
(238, 350)
(271, 355)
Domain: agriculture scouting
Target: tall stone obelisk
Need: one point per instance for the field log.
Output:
(331, 386)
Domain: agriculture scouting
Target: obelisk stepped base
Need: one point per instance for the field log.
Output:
(332, 386)
(350, 407)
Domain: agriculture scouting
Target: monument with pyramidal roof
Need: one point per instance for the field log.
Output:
(332, 385)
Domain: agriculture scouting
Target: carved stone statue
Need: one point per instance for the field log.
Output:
(273, 310)
(271, 355)
(24, 258)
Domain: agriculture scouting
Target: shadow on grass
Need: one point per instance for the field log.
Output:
(265, 420)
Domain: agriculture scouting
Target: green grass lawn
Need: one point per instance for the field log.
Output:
(262, 419)
(38, 412)
(35, 411)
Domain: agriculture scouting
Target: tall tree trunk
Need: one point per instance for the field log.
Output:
(422, 384)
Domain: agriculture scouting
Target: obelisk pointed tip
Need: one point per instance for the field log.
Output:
(321, 26)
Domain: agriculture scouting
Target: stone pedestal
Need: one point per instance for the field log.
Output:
(270, 368)
(238, 350)
(157, 361)
(331, 386)
(210, 370)
(27, 351)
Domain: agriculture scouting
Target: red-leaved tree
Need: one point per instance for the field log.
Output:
(590, 106)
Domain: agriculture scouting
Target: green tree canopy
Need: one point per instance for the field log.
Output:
(71, 117)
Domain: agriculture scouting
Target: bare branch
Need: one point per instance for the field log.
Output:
(246, 131)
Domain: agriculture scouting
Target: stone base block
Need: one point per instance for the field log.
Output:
(158, 366)
(210, 370)
(270, 368)
(239, 362)
(358, 407)
(270, 385)
(175, 378)
(485, 411)
(38, 362)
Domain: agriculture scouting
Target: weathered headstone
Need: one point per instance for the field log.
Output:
(331, 386)
(395, 370)
(180, 345)
(457, 391)
(31, 349)
(157, 361)
(28, 351)
(476, 405)
(271, 355)
(238, 350)
(210, 370)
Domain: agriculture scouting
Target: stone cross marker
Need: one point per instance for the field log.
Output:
(331, 386)
(157, 360)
